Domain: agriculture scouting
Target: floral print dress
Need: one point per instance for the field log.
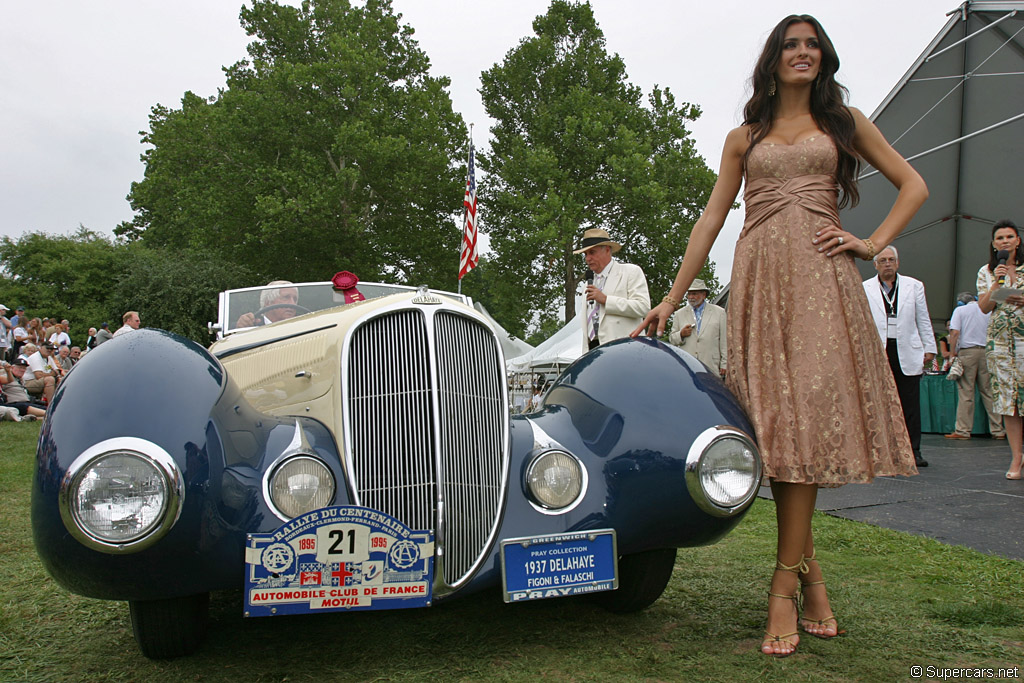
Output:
(1005, 348)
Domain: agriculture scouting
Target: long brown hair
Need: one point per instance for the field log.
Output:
(828, 103)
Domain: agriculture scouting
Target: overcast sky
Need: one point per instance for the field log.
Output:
(78, 79)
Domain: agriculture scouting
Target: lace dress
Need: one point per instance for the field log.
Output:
(805, 359)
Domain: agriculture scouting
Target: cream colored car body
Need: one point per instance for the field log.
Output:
(292, 367)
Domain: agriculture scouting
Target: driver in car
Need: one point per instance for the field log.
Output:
(276, 304)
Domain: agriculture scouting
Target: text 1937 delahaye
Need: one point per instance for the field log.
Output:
(362, 456)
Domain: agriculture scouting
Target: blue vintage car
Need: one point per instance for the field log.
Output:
(343, 449)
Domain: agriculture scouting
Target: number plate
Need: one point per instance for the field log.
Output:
(338, 558)
(559, 565)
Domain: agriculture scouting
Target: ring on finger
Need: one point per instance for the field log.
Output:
(840, 239)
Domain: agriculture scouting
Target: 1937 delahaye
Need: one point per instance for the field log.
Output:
(359, 454)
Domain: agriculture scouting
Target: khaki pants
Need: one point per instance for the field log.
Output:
(975, 371)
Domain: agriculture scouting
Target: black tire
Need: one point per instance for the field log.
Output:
(642, 579)
(170, 628)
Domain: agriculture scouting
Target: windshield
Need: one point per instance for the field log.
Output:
(241, 309)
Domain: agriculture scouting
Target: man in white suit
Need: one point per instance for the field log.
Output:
(700, 328)
(617, 301)
(900, 311)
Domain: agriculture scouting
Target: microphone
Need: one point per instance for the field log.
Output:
(589, 277)
(1001, 256)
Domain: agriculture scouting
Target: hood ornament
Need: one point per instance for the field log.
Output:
(423, 296)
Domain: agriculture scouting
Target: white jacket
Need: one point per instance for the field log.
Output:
(914, 335)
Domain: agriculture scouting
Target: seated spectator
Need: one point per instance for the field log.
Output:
(131, 321)
(75, 354)
(35, 331)
(6, 328)
(20, 337)
(13, 393)
(60, 336)
(64, 359)
(104, 335)
(41, 377)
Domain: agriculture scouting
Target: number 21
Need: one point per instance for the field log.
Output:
(339, 537)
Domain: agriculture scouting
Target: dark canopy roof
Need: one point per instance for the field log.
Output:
(958, 116)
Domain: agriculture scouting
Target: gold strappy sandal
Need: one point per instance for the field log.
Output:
(831, 619)
(784, 638)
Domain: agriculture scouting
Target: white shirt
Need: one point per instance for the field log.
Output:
(36, 363)
(60, 339)
(123, 329)
(972, 324)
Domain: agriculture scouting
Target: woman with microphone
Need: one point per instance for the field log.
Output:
(1005, 350)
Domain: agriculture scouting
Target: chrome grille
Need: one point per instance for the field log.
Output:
(471, 403)
(423, 438)
(391, 418)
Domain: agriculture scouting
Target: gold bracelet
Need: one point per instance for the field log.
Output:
(667, 299)
(871, 249)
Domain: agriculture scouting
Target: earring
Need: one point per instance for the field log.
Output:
(771, 87)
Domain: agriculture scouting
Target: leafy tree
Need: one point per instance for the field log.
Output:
(330, 148)
(88, 279)
(574, 147)
(176, 290)
(63, 276)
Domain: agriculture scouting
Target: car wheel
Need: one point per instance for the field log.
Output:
(170, 628)
(642, 580)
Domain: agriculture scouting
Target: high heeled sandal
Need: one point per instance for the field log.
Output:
(820, 622)
(795, 597)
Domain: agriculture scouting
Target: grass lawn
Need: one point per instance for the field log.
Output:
(904, 601)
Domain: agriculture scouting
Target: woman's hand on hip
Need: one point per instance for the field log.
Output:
(833, 240)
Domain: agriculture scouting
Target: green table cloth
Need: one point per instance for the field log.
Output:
(938, 406)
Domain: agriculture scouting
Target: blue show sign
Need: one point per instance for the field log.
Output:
(559, 565)
(338, 558)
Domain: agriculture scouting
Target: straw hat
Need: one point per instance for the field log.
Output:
(597, 237)
(698, 286)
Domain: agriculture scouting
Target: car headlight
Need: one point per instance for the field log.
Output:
(299, 485)
(121, 495)
(723, 471)
(556, 480)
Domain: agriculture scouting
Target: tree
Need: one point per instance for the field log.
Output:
(176, 290)
(574, 147)
(88, 279)
(63, 276)
(330, 148)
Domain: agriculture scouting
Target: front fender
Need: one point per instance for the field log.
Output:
(630, 410)
(167, 390)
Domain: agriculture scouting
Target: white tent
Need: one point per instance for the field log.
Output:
(958, 117)
(510, 346)
(555, 353)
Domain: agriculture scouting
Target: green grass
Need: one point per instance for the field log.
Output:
(904, 601)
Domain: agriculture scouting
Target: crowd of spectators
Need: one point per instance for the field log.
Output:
(36, 354)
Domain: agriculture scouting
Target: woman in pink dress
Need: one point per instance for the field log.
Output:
(804, 358)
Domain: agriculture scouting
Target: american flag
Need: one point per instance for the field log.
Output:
(469, 256)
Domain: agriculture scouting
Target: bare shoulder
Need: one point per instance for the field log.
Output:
(738, 139)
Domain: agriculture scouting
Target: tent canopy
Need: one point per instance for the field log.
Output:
(554, 353)
(958, 117)
(510, 346)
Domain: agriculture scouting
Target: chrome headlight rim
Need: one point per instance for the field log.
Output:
(285, 459)
(698, 448)
(142, 449)
(534, 462)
